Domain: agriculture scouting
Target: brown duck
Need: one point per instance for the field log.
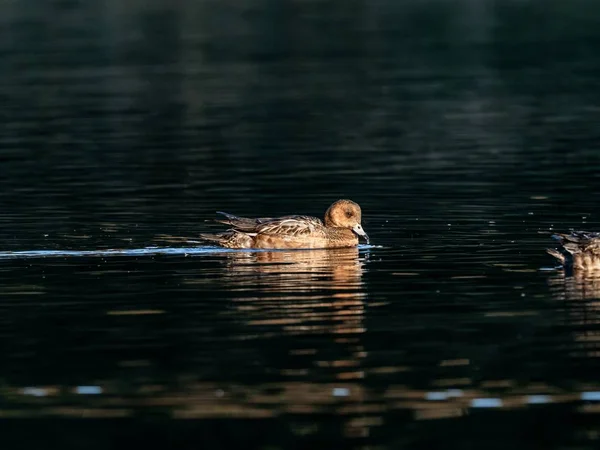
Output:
(341, 228)
(578, 250)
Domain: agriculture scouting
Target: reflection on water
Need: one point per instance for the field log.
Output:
(313, 302)
(317, 292)
(580, 285)
(309, 286)
(580, 293)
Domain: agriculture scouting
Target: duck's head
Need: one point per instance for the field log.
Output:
(345, 214)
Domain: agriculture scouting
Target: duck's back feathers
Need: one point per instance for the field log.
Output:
(251, 232)
(287, 225)
(293, 226)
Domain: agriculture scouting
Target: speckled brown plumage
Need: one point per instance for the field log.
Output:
(578, 250)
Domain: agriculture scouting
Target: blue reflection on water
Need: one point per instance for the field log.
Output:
(443, 395)
(486, 403)
(593, 396)
(436, 396)
(35, 392)
(538, 399)
(340, 392)
(88, 390)
(146, 251)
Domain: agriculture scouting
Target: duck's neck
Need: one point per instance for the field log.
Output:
(338, 233)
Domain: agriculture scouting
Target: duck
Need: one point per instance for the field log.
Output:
(578, 250)
(341, 228)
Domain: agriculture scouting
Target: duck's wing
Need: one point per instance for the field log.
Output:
(242, 223)
(293, 226)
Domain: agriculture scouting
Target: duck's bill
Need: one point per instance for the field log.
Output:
(358, 229)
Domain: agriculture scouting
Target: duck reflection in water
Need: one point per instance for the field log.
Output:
(580, 292)
(579, 285)
(307, 307)
(576, 285)
(300, 281)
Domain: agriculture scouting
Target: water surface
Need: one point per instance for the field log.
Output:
(467, 131)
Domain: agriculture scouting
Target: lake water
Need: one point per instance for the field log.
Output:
(467, 131)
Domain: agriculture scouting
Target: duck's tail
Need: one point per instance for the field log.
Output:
(558, 255)
(213, 237)
(229, 239)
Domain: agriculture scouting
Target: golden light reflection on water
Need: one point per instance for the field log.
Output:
(304, 293)
(581, 293)
(576, 286)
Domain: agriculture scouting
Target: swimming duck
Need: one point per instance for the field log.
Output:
(341, 228)
(579, 250)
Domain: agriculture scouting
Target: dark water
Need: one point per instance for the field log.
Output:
(467, 131)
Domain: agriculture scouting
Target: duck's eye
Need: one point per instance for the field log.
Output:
(349, 214)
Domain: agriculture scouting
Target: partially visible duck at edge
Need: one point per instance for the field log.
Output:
(341, 228)
(578, 250)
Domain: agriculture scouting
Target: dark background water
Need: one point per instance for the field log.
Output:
(467, 131)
